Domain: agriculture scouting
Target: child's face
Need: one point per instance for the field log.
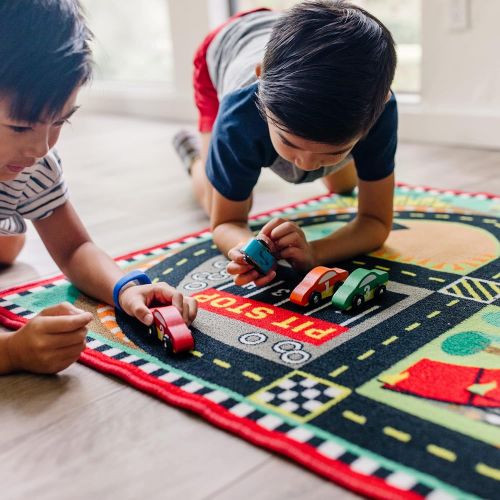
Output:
(22, 144)
(304, 154)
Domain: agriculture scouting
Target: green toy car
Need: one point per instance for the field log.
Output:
(360, 286)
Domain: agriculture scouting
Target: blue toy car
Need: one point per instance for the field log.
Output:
(258, 255)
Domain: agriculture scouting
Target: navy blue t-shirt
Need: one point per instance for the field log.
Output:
(241, 145)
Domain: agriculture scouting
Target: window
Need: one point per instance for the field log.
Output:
(132, 40)
(403, 18)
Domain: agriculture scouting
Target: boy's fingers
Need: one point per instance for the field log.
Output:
(243, 279)
(62, 309)
(291, 239)
(192, 310)
(234, 268)
(264, 280)
(268, 227)
(69, 339)
(236, 256)
(64, 324)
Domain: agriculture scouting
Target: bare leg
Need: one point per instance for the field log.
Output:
(201, 185)
(10, 246)
(342, 181)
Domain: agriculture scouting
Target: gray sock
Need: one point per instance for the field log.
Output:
(187, 146)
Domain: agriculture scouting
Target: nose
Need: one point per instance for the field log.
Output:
(306, 163)
(38, 146)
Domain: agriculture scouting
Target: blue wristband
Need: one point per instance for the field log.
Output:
(138, 276)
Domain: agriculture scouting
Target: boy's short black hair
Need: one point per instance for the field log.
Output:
(327, 71)
(44, 56)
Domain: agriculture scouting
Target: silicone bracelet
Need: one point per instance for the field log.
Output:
(139, 276)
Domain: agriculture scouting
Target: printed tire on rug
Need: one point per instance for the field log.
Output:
(400, 399)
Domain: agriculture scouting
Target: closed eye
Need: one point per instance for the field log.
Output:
(19, 130)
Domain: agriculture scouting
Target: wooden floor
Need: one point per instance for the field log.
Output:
(85, 435)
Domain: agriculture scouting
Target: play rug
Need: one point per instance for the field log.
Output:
(398, 400)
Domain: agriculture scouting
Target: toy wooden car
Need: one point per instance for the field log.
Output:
(360, 286)
(257, 252)
(171, 330)
(319, 283)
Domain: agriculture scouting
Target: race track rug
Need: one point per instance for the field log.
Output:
(400, 399)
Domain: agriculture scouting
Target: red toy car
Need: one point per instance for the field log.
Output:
(171, 329)
(319, 283)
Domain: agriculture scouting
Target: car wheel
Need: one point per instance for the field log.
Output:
(167, 344)
(151, 331)
(315, 298)
(380, 291)
(358, 301)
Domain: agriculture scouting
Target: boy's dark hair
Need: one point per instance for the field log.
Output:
(44, 56)
(327, 70)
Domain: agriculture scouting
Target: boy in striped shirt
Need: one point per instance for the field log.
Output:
(44, 60)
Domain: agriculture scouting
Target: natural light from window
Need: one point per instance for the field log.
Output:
(132, 40)
(402, 17)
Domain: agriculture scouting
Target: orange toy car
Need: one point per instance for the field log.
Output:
(319, 283)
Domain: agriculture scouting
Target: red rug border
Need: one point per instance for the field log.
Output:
(334, 470)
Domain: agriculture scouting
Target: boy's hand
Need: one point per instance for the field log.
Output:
(136, 299)
(243, 272)
(290, 242)
(51, 341)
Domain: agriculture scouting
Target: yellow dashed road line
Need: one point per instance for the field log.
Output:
(416, 214)
(441, 452)
(488, 471)
(397, 434)
(390, 340)
(433, 314)
(198, 354)
(358, 262)
(350, 415)
(442, 216)
(222, 364)
(453, 302)
(182, 261)
(439, 280)
(408, 273)
(383, 268)
(199, 252)
(496, 276)
(412, 327)
(466, 218)
(338, 371)
(155, 280)
(252, 375)
(167, 271)
(366, 354)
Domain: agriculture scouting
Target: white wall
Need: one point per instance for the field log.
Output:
(460, 100)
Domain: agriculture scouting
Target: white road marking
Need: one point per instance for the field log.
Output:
(260, 290)
(359, 315)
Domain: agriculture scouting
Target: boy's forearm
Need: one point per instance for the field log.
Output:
(92, 271)
(229, 234)
(363, 234)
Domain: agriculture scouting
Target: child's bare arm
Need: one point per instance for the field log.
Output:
(95, 273)
(69, 244)
(229, 222)
(367, 231)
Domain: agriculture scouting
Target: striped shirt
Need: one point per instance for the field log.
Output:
(34, 194)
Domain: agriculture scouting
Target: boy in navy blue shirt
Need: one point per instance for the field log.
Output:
(307, 94)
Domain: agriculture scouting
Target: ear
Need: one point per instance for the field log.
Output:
(388, 98)
(258, 70)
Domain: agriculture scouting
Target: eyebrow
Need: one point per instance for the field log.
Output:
(69, 113)
(292, 145)
(62, 118)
